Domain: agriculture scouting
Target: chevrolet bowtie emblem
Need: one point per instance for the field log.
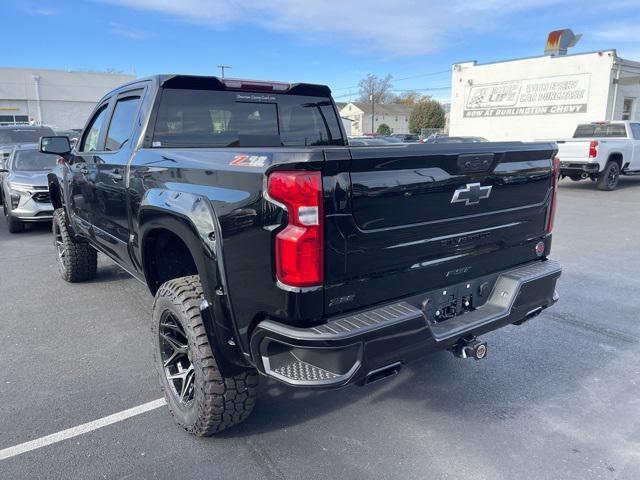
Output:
(471, 194)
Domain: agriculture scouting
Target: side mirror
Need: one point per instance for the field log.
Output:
(55, 145)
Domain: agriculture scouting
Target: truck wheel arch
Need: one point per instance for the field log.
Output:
(177, 235)
(190, 220)
(616, 157)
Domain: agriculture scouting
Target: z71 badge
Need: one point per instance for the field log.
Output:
(250, 160)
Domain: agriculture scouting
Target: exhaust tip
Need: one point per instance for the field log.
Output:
(382, 373)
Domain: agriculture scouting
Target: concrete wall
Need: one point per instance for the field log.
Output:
(535, 98)
(66, 98)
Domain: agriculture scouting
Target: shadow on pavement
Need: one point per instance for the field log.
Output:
(491, 390)
(624, 183)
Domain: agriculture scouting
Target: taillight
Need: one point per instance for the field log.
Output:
(593, 149)
(551, 213)
(299, 247)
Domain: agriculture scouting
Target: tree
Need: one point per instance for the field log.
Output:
(384, 129)
(410, 98)
(379, 88)
(428, 114)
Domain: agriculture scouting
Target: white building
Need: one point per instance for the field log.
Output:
(393, 114)
(58, 98)
(542, 97)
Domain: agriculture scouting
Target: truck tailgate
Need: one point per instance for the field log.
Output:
(424, 216)
(573, 150)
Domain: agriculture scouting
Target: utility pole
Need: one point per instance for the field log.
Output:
(373, 113)
(222, 67)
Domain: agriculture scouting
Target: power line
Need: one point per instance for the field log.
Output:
(400, 79)
(429, 89)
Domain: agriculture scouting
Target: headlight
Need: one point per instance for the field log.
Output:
(21, 189)
(17, 191)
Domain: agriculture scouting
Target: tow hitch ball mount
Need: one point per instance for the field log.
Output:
(470, 348)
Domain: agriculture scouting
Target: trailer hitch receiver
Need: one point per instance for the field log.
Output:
(470, 348)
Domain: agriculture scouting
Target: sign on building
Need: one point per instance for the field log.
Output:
(563, 94)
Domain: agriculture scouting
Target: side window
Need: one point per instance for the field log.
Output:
(635, 130)
(91, 136)
(122, 120)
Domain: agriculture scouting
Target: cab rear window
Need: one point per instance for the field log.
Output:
(590, 130)
(211, 118)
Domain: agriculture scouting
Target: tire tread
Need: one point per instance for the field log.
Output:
(223, 401)
(81, 259)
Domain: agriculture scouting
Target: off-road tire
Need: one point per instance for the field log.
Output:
(218, 402)
(80, 260)
(609, 177)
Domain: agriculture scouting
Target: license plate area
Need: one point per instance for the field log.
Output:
(456, 300)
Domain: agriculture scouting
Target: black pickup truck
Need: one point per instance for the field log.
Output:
(273, 247)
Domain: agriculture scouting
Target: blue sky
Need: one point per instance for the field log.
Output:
(322, 41)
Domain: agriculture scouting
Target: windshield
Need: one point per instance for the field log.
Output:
(591, 130)
(210, 118)
(33, 160)
(24, 134)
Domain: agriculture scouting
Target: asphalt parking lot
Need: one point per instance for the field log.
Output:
(558, 397)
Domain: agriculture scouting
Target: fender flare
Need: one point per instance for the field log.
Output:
(191, 217)
(55, 191)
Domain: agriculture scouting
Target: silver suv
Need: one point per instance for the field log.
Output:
(24, 190)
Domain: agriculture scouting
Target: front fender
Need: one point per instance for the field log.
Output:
(191, 217)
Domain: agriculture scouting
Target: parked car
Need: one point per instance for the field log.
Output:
(407, 137)
(447, 139)
(24, 188)
(601, 151)
(391, 139)
(72, 134)
(272, 247)
(365, 141)
(11, 135)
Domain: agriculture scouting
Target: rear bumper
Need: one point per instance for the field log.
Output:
(350, 348)
(568, 168)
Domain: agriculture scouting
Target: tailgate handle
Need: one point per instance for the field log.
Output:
(475, 162)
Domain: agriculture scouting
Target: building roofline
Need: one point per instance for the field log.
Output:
(606, 50)
(67, 70)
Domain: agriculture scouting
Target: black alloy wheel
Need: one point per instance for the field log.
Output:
(176, 359)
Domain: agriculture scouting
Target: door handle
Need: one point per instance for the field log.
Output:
(84, 170)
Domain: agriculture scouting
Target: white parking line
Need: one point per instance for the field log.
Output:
(80, 429)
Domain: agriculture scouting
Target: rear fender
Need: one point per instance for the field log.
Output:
(192, 218)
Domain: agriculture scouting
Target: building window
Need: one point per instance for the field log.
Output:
(14, 120)
(627, 108)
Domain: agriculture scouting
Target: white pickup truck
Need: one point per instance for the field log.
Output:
(601, 151)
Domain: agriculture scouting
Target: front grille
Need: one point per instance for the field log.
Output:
(42, 197)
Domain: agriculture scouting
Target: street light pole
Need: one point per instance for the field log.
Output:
(222, 67)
